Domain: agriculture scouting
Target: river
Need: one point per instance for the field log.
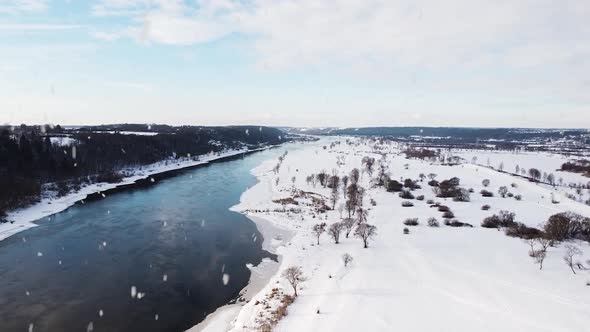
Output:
(149, 258)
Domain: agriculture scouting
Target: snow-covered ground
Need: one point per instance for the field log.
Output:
(22, 219)
(433, 279)
(548, 163)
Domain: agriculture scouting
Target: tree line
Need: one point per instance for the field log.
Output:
(31, 163)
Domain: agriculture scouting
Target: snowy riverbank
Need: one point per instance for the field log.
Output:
(462, 279)
(23, 219)
(274, 237)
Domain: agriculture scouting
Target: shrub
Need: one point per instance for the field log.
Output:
(457, 223)
(430, 201)
(567, 225)
(407, 204)
(503, 219)
(485, 207)
(406, 230)
(522, 231)
(461, 195)
(486, 193)
(433, 183)
(448, 215)
(432, 222)
(471, 190)
(510, 195)
(518, 197)
(406, 194)
(420, 197)
(393, 186)
(443, 208)
(411, 222)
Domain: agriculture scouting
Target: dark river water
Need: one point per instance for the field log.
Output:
(173, 241)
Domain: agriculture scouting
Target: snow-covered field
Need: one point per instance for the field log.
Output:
(20, 220)
(433, 279)
(547, 163)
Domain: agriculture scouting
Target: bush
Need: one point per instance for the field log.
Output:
(523, 231)
(485, 207)
(420, 197)
(567, 225)
(406, 230)
(471, 190)
(457, 223)
(503, 219)
(486, 193)
(407, 204)
(443, 208)
(448, 215)
(518, 197)
(510, 195)
(433, 183)
(432, 222)
(411, 222)
(393, 186)
(406, 194)
(430, 201)
(461, 195)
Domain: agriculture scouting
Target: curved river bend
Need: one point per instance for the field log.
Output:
(173, 242)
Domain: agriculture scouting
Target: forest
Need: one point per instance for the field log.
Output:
(32, 159)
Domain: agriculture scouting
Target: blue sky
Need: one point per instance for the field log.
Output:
(298, 62)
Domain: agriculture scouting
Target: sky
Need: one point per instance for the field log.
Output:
(338, 63)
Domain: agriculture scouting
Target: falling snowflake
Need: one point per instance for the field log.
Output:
(165, 278)
(156, 317)
(31, 326)
(133, 291)
(39, 254)
(90, 327)
(225, 279)
(101, 313)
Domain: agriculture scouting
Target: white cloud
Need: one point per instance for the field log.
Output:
(287, 33)
(19, 6)
(38, 27)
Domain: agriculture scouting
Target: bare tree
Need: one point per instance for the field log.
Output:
(361, 215)
(344, 185)
(535, 174)
(318, 230)
(334, 230)
(551, 179)
(431, 176)
(570, 252)
(348, 225)
(422, 177)
(369, 163)
(347, 259)
(334, 197)
(365, 232)
(294, 275)
(350, 206)
(540, 257)
(544, 242)
(354, 176)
